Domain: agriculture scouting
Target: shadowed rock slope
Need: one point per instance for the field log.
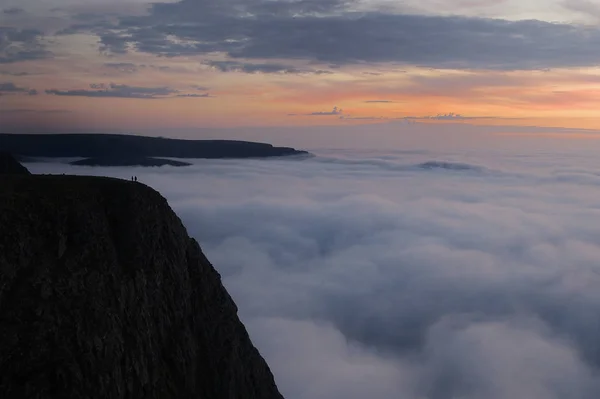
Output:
(9, 165)
(104, 295)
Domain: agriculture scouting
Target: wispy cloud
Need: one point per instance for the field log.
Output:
(33, 111)
(585, 7)
(13, 11)
(18, 45)
(205, 95)
(129, 67)
(250, 67)
(126, 67)
(116, 90)
(17, 74)
(334, 111)
(11, 88)
(450, 117)
(364, 118)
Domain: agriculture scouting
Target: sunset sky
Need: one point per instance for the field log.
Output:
(98, 65)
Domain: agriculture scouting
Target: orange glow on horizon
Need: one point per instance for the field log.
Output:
(559, 98)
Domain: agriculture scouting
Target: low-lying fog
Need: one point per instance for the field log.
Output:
(415, 274)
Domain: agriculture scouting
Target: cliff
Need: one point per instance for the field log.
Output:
(104, 295)
(125, 146)
(9, 165)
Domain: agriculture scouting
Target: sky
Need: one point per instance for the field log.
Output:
(405, 273)
(196, 68)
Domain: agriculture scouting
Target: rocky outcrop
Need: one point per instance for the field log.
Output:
(104, 295)
(121, 145)
(10, 166)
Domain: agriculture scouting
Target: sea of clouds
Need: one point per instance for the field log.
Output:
(405, 274)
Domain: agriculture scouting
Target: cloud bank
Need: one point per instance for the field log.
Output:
(345, 33)
(18, 45)
(113, 90)
(11, 88)
(410, 274)
(249, 67)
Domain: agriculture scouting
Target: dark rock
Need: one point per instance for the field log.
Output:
(10, 166)
(104, 295)
(128, 161)
(120, 145)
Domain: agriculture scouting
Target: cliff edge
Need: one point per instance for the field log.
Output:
(10, 166)
(104, 295)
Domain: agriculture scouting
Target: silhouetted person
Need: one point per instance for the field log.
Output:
(135, 177)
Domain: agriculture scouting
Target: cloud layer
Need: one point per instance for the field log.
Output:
(11, 88)
(342, 32)
(113, 90)
(248, 67)
(405, 274)
(18, 45)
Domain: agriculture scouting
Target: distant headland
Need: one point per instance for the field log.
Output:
(129, 150)
(128, 161)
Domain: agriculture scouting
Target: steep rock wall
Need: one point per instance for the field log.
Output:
(104, 295)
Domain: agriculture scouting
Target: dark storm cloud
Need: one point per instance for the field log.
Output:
(18, 45)
(248, 67)
(116, 90)
(330, 32)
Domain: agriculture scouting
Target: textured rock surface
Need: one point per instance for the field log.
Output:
(104, 295)
(9, 165)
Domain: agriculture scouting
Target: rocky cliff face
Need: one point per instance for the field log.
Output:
(104, 295)
(9, 165)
